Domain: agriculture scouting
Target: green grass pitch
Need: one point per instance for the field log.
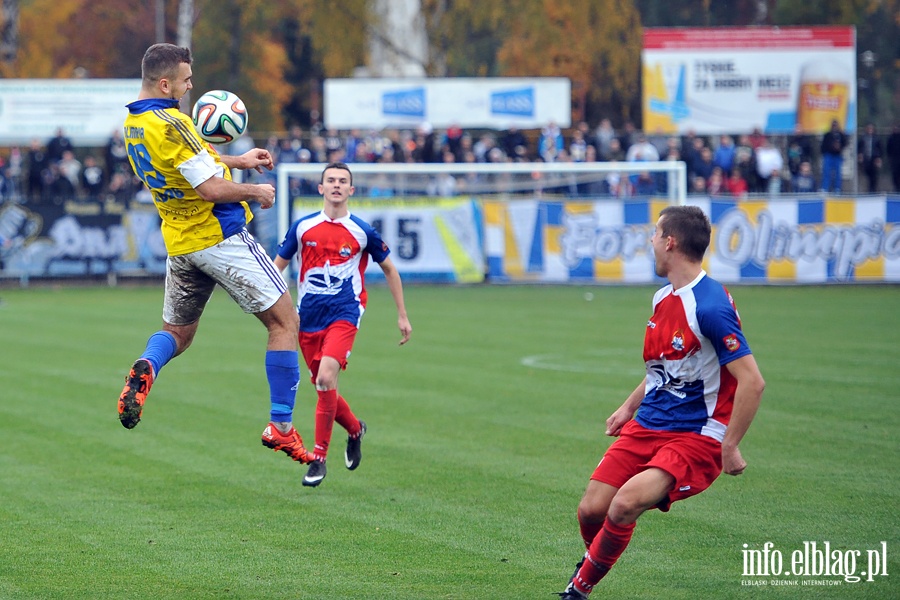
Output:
(483, 431)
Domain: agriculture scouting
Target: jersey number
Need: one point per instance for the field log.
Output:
(153, 179)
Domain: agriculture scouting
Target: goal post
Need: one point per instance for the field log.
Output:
(496, 181)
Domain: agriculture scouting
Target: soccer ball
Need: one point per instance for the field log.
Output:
(219, 117)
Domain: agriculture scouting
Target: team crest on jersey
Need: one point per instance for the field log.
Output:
(678, 340)
(731, 342)
(346, 251)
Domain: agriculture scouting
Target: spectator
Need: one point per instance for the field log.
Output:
(893, 155)
(698, 186)
(645, 185)
(286, 152)
(628, 136)
(868, 156)
(660, 141)
(333, 142)
(295, 137)
(453, 139)
(799, 150)
(642, 151)
(59, 187)
(425, 143)
(38, 163)
(578, 146)
(691, 153)
(604, 136)
(804, 182)
(736, 184)
(833, 144)
(756, 138)
(58, 145)
(6, 184)
(724, 154)
(92, 178)
(70, 168)
(769, 164)
(704, 167)
(619, 187)
(350, 143)
(512, 139)
(115, 155)
(715, 185)
(551, 142)
(15, 170)
(616, 153)
(318, 149)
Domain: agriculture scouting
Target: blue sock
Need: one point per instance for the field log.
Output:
(161, 347)
(283, 373)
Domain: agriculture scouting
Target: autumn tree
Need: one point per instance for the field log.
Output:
(595, 43)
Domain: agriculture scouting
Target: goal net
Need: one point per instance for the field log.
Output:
(497, 181)
(513, 222)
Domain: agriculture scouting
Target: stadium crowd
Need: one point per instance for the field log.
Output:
(723, 165)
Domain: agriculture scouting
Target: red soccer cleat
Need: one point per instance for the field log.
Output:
(137, 386)
(290, 443)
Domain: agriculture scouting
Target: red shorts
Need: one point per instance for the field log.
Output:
(694, 460)
(335, 341)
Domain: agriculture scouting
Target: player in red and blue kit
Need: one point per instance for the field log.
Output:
(682, 425)
(333, 249)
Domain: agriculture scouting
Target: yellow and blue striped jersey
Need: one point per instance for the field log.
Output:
(168, 156)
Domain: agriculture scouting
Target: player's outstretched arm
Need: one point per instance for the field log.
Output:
(258, 159)
(392, 276)
(747, 396)
(219, 190)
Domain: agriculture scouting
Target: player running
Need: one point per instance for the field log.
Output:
(333, 249)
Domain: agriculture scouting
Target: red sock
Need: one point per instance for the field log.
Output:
(603, 553)
(345, 417)
(326, 408)
(589, 530)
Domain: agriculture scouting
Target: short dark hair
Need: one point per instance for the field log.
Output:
(336, 165)
(162, 60)
(690, 226)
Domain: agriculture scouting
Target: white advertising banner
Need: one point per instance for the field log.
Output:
(87, 110)
(432, 240)
(497, 103)
(734, 80)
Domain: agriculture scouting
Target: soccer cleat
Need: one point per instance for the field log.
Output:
(577, 568)
(315, 474)
(353, 453)
(137, 386)
(570, 593)
(290, 443)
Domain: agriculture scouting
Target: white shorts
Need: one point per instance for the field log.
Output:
(239, 265)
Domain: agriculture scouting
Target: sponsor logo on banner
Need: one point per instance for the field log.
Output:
(519, 103)
(404, 103)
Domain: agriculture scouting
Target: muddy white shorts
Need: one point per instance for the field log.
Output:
(239, 265)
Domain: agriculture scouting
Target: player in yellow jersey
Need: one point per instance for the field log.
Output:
(204, 216)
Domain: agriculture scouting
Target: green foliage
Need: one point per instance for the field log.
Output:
(482, 433)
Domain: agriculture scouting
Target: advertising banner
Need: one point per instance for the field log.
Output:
(80, 239)
(733, 80)
(433, 240)
(785, 240)
(87, 110)
(496, 103)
